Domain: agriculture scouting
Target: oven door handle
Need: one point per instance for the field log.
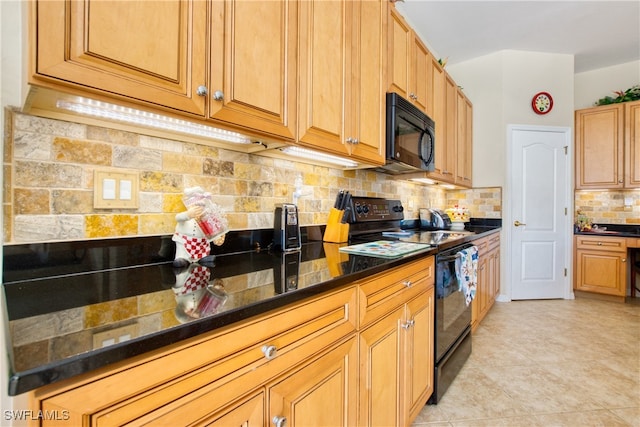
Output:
(448, 258)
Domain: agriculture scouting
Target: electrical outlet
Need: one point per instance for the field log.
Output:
(115, 336)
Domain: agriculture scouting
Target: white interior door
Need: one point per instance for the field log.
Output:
(540, 212)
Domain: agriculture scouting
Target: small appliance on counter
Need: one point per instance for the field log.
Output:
(434, 219)
(286, 228)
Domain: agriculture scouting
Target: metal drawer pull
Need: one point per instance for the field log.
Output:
(279, 421)
(407, 283)
(270, 351)
(409, 324)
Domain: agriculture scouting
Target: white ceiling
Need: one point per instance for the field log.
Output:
(598, 33)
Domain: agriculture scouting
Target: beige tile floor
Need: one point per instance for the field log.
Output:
(548, 363)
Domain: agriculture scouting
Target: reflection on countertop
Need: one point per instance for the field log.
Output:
(77, 306)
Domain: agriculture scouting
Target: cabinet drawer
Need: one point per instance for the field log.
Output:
(385, 291)
(609, 244)
(296, 332)
(494, 241)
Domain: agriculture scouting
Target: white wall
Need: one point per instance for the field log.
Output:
(13, 42)
(501, 87)
(593, 85)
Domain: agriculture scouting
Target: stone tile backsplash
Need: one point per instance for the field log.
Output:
(608, 207)
(48, 183)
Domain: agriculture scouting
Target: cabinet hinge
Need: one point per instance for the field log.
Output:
(565, 272)
(565, 211)
(566, 150)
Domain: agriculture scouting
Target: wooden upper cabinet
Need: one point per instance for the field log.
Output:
(445, 153)
(400, 39)
(367, 117)
(464, 139)
(600, 147)
(408, 62)
(253, 65)
(151, 51)
(341, 100)
(632, 145)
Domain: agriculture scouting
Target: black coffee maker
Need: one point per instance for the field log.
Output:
(286, 228)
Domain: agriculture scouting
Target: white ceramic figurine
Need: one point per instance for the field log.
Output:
(202, 223)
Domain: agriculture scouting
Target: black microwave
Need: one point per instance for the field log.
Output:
(410, 138)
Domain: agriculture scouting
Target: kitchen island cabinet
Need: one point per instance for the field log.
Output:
(341, 100)
(246, 80)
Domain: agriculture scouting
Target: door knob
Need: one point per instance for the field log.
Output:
(518, 223)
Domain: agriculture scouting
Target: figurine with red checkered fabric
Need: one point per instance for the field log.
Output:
(203, 222)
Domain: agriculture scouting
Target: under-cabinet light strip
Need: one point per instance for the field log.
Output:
(317, 156)
(105, 110)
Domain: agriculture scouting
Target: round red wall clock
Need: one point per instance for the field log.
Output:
(542, 103)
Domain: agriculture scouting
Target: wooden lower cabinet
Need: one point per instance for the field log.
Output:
(321, 393)
(333, 363)
(601, 265)
(488, 286)
(396, 345)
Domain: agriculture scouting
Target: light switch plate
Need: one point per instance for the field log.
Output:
(115, 190)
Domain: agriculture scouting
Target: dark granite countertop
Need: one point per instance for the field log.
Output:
(74, 307)
(612, 230)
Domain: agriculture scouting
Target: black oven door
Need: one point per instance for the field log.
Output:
(453, 315)
(410, 135)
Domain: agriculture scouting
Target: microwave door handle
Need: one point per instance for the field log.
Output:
(428, 160)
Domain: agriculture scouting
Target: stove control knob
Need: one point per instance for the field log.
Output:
(398, 208)
(365, 209)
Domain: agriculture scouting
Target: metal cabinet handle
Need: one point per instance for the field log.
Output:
(269, 351)
(518, 223)
(409, 324)
(407, 283)
(279, 421)
(599, 243)
(355, 141)
(202, 90)
(218, 95)
(624, 260)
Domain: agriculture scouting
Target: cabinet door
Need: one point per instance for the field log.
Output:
(601, 272)
(381, 366)
(253, 65)
(322, 393)
(420, 63)
(599, 147)
(247, 413)
(366, 116)
(463, 140)
(400, 39)
(150, 51)
(632, 145)
(445, 152)
(419, 354)
(451, 127)
(323, 65)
